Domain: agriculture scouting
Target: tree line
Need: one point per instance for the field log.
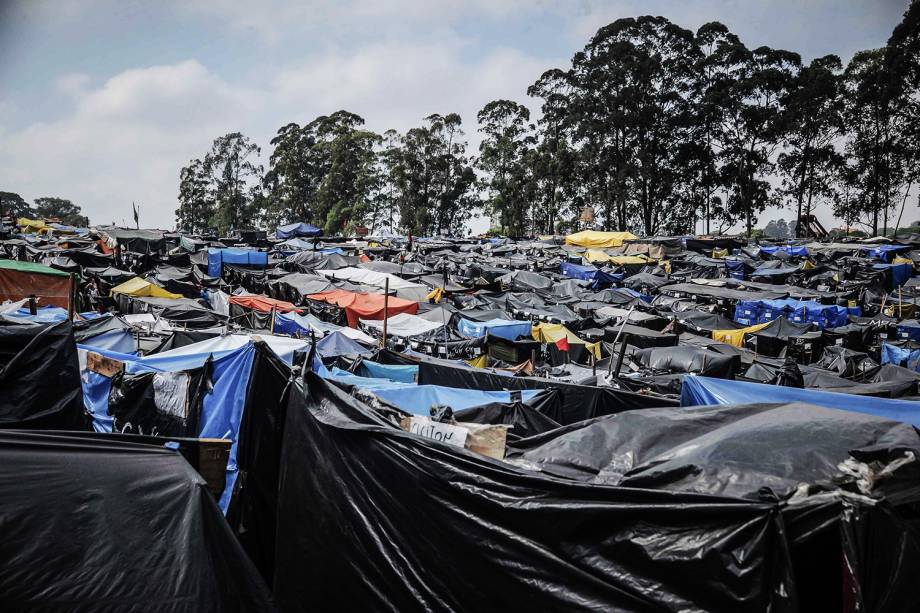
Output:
(14, 206)
(656, 128)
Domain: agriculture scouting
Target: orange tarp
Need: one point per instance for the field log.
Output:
(365, 306)
(262, 303)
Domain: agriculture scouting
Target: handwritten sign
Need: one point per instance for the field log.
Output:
(445, 433)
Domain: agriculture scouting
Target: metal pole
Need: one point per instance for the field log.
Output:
(617, 338)
(72, 297)
(386, 311)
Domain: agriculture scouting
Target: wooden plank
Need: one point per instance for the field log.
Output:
(102, 365)
(213, 454)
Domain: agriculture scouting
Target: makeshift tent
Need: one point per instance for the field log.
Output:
(701, 391)
(139, 287)
(596, 255)
(237, 257)
(40, 378)
(337, 343)
(735, 337)
(301, 325)
(23, 279)
(519, 553)
(403, 325)
(365, 306)
(297, 229)
(502, 328)
(107, 524)
(404, 289)
(599, 279)
(261, 303)
(599, 240)
(562, 337)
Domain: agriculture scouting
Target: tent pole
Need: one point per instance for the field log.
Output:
(386, 311)
(72, 297)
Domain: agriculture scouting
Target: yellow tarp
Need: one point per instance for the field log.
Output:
(900, 260)
(30, 225)
(435, 295)
(139, 287)
(551, 333)
(596, 255)
(736, 337)
(599, 240)
(480, 362)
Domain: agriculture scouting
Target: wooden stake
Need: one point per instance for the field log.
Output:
(386, 311)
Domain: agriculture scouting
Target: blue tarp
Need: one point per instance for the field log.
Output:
(43, 315)
(418, 399)
(883, 252)
(292, 230)
(737, 268)
(502, 328)
(796, 250)
(908, 358)
(115, 340)
(401, 373)
(750, 312)
(241, 257)
(704, 391)
(900, 273)
(909, 330)
(599, 279)
(222, 408)
(336, 344)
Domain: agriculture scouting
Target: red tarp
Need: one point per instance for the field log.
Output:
(262, 303)
(51, 290)
(365, 306)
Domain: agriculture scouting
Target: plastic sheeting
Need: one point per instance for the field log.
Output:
(365, 306)
(240, 257)
(402, 514)
(104, 525)
(40, 378)
(301, 325)
(502, 328)
(406, 290)
(140, 288)
(23, 279)
(599, 240)
(297, 229)
(700, 391)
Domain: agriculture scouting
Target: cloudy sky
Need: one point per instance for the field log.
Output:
(103, 101)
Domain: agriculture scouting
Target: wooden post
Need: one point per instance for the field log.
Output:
(386, 311)
(271, 326)
(73, 296)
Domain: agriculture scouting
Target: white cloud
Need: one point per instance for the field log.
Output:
(126, 139)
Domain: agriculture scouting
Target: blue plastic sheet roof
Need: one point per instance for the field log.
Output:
(231, 255)
(297, 229)
(502, 328)
(704, 391)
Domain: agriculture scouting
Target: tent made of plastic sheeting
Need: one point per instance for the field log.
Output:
(114, 523)
(297, 229)
(365, 306)
(295, 324)
(599, 240)
(238, 257)
(596, 255)
(30, 225)
(502, 328)
(900, 272)
(598, 278)
(403, 325)
(401, 373)
(793, 250)
(40, 378)
(703, 391)
(141, 288)
(749, 312)
(899, 356)
(560, 335)
(519, 553)
(418, 399)
(223, 405)
(337, 343)
(688, 359)
(106, 332)
(885, 252)
(23, 279)
(262, 304)
(735, 337)
(406, 290)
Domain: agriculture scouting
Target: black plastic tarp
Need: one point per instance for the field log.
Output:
(40, 378)
(94, 524)
(373, 518)
(683, 359)
(577, 402)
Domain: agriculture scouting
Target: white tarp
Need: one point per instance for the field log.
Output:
(403, 325)
(404, 289)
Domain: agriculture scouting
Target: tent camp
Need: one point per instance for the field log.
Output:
(294, 230)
